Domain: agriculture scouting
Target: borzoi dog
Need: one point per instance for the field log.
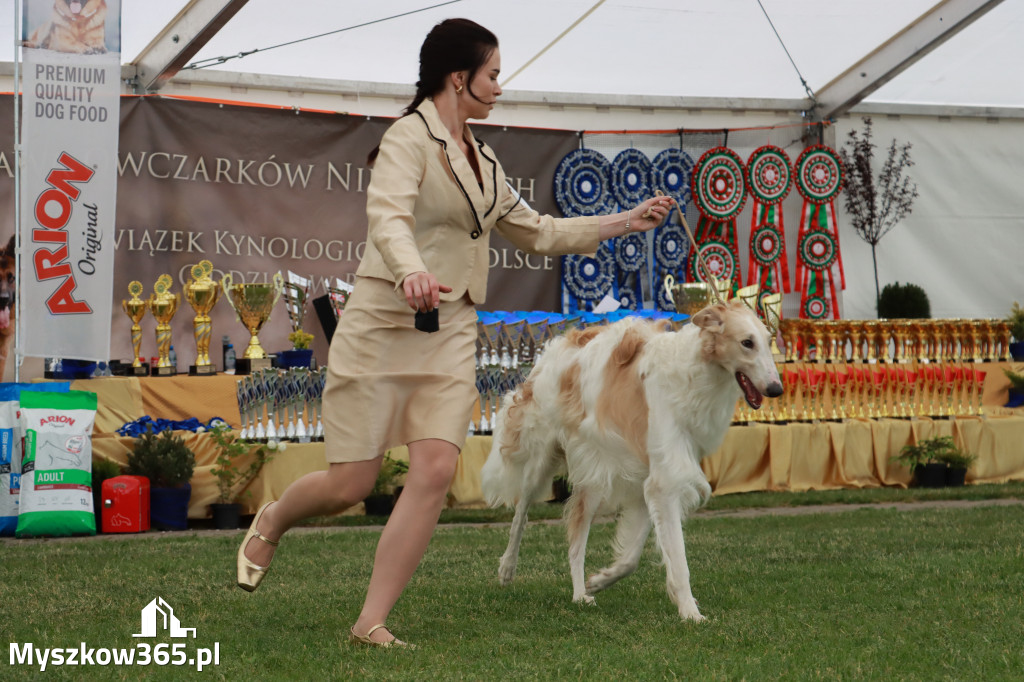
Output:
(629, 410)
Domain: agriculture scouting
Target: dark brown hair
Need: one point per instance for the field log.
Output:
(452, 45)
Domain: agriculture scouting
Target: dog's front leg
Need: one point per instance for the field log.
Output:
(666, 513)
(579, 514)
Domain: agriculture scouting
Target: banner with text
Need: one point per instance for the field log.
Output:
(70, 118)
(259, 190)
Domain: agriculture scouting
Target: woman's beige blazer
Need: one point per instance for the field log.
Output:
(427, 213)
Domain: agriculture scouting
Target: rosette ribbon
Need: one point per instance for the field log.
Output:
(719, 190)
(769, 179)
(819, 178)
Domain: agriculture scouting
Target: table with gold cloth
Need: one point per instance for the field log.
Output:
(795, 457)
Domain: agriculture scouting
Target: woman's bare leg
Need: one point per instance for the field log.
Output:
(408, 531)
(315, 494)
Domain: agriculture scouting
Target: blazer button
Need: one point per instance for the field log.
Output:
(475, 234)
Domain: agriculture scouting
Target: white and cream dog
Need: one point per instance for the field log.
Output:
(629, 410)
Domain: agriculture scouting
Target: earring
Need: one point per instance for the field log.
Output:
(458, 90)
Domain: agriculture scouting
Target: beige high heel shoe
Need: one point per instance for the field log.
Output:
(249, 574)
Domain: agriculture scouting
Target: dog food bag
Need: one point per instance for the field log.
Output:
(56, 472)
(10, 449)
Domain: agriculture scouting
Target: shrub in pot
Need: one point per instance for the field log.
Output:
(1016, 320)
(903, 302)
(1015, 394)
(381, 500)
(958, 462)
(925, 460)
(168, 464)
(235, 467)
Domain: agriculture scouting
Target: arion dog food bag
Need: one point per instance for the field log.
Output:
(10, 448)
(56, 474)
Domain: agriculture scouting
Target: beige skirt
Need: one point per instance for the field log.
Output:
(389, 384)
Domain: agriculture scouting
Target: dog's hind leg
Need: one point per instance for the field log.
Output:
(579, 514)
(533, 478)
(630, 538)
(666, 513)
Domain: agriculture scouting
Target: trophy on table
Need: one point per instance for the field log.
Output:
(202, 293)
(296, 295)
(771, 308)
(135, 309)
(689, 298)
(253, 302)
(163, 304)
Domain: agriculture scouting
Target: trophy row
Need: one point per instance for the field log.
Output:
(896, 341)
(253, 302)
(937, 391)
(279, 404)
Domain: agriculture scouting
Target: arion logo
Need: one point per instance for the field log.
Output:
(158, 615)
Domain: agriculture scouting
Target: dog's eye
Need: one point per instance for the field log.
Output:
(747, 343)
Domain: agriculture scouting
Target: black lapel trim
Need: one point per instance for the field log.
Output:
(519, 198)
(494, 176)
(444, 145)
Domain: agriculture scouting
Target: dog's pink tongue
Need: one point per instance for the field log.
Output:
(750, 394)
(75, 7)
(5, 318)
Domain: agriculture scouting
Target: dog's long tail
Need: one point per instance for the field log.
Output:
(514, 469)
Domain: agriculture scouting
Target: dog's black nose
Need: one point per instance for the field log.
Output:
(774, 389)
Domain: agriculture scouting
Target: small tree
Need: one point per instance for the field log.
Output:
(875, 206)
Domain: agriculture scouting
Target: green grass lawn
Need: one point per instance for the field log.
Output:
(876, 594)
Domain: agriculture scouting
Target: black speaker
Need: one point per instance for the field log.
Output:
(325, 311)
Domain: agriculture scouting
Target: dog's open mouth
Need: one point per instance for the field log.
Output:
(750, 394)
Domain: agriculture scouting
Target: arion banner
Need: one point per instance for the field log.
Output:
(69, 136)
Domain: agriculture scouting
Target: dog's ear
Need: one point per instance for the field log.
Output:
(711, 319)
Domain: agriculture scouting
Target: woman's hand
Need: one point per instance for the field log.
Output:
(423, 291)
(649, 214)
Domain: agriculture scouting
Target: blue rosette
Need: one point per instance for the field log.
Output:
(631, 252)
(583, 184)
(670, 172)
(631, 178)
(586, 278)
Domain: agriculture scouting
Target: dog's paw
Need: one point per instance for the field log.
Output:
(584, 599)
(598, 582)
(506, 571)
(688, 611)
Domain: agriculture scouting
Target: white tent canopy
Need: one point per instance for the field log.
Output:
(645, 64)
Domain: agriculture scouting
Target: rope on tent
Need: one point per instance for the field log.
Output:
(803, 81)
(552, 43)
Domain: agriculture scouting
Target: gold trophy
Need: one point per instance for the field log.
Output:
(253, 302)
(771, 307)
(202, 293)
(135, 309)
(689, 298)
(163, 304)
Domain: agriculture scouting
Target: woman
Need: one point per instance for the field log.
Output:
(435, 195)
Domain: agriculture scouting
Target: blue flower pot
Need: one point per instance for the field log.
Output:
(295, 358)
(168, 507)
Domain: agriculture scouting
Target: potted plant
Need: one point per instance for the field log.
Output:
(168, 464)
(903, 302)
(381, 499)
(1016, 320)
(1015, 393)
(957, 462)
(232, 473)
(925, 460)
(301, 355)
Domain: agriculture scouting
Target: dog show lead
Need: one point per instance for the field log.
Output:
(435, 195)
